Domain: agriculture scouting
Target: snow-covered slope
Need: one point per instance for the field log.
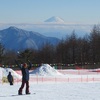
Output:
(45, 70)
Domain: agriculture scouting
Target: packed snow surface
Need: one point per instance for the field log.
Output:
(55, 91)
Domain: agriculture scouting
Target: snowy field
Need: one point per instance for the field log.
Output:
(81, 90)
(61, 91)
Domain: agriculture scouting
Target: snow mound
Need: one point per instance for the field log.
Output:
(45, 70)
(5, 71)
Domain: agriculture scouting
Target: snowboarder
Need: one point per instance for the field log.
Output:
(10, 78)
(25, 77)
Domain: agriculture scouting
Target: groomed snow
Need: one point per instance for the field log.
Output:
(62, 91)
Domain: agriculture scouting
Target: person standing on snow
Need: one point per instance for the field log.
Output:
(10, 78)
(25, 77)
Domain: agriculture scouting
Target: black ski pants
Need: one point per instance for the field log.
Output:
(22, 86)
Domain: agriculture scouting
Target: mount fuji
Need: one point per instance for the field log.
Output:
(14, 38)
(54, 19)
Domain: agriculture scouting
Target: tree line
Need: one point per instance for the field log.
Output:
(71, 50)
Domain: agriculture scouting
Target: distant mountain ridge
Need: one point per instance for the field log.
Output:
(17, 39)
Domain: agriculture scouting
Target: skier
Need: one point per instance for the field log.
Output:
(25, 77)
(10, 78)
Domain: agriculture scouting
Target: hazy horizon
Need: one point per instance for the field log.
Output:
(36, 11)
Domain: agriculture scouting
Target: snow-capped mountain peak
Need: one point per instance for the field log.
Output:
(55, 19)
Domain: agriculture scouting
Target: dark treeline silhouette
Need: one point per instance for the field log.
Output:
(72, 50)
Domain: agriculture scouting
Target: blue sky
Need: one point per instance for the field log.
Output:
(32, 11)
